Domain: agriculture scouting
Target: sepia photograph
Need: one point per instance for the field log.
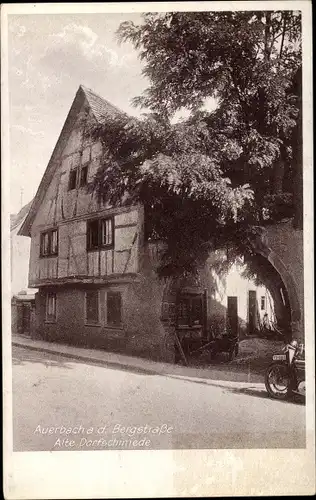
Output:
(159, 186)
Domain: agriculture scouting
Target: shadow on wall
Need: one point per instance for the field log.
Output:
(217, 320)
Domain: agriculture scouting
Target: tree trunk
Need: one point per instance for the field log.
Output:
(267, 37)
(278, 176)
(298, 177)
(298, 161)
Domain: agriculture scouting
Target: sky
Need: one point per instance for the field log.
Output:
(49, 57)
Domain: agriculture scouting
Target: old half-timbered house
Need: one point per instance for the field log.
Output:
(94, 270)
(86, 256)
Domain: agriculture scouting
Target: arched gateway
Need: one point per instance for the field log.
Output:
(188, 297)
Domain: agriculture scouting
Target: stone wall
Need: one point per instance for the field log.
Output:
(286, 255)
(143, 332)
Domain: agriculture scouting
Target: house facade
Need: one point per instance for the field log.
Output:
(253, 302)
(87, 258)
(22, 297)
(93, 269)
(20, 247)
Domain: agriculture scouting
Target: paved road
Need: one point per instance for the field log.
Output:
(61, 404)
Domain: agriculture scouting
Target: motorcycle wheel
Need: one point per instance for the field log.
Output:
(278, 381)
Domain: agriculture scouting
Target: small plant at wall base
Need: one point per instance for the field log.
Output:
(203, 181)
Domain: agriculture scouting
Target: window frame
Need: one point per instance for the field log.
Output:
(89, 322)
(85, 168)
(50, 318)
(185, 311)
(77, 180)
(73, 171)
(100, 245)
(110, 324)
(49, 234)
(263, 304)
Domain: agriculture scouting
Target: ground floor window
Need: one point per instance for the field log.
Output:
(51, 303)
(190, 311)
(168, 312)
(92, 306)
(114, 308)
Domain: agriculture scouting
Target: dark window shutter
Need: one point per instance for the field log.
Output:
(92, 306)
(72, 179)
(114, 308)
(83, 176)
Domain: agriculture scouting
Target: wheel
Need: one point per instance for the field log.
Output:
(231, 353)
(212, 354)
(278, 381)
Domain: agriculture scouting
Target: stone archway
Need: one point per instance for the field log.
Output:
(262, 247)
(281, 277)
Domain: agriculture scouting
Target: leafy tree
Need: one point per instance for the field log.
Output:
(248, 61)
(209, 181)
(188, 203)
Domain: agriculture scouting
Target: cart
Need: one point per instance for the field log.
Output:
(192, 337)
(190, 346)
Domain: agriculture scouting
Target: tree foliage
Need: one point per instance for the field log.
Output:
(209, 181)
(188, 202)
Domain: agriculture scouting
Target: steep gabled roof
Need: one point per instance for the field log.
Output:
(16, 219)
(101, 110)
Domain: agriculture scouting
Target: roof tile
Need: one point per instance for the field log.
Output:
(101, 108)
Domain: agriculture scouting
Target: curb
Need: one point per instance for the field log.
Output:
(158, 370)
(81, 357)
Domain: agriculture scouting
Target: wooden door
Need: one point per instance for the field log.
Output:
(232, 316)
(26, 316)
(252, 311)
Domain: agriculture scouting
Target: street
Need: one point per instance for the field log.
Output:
(61, 404)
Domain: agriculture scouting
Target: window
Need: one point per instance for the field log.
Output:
(196, 311)
(51, 307)
(93, 234)
(106, 231)
(49, 243)
(190, 311)
(92, 307)
(263, 303)
(183, 312)
(72, 179)
(84, 176)
(76, 174)
(45, 243)
(54, 242)
(114, 309)
(168, 312)
(100, 233)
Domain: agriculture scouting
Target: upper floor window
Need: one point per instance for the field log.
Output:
(72, 179)
(83, 175)
(78, 177)
(49, 243)
(100, 233)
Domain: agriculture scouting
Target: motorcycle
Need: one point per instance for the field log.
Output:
(285, 377)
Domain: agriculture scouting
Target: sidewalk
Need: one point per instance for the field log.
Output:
(223, 373)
